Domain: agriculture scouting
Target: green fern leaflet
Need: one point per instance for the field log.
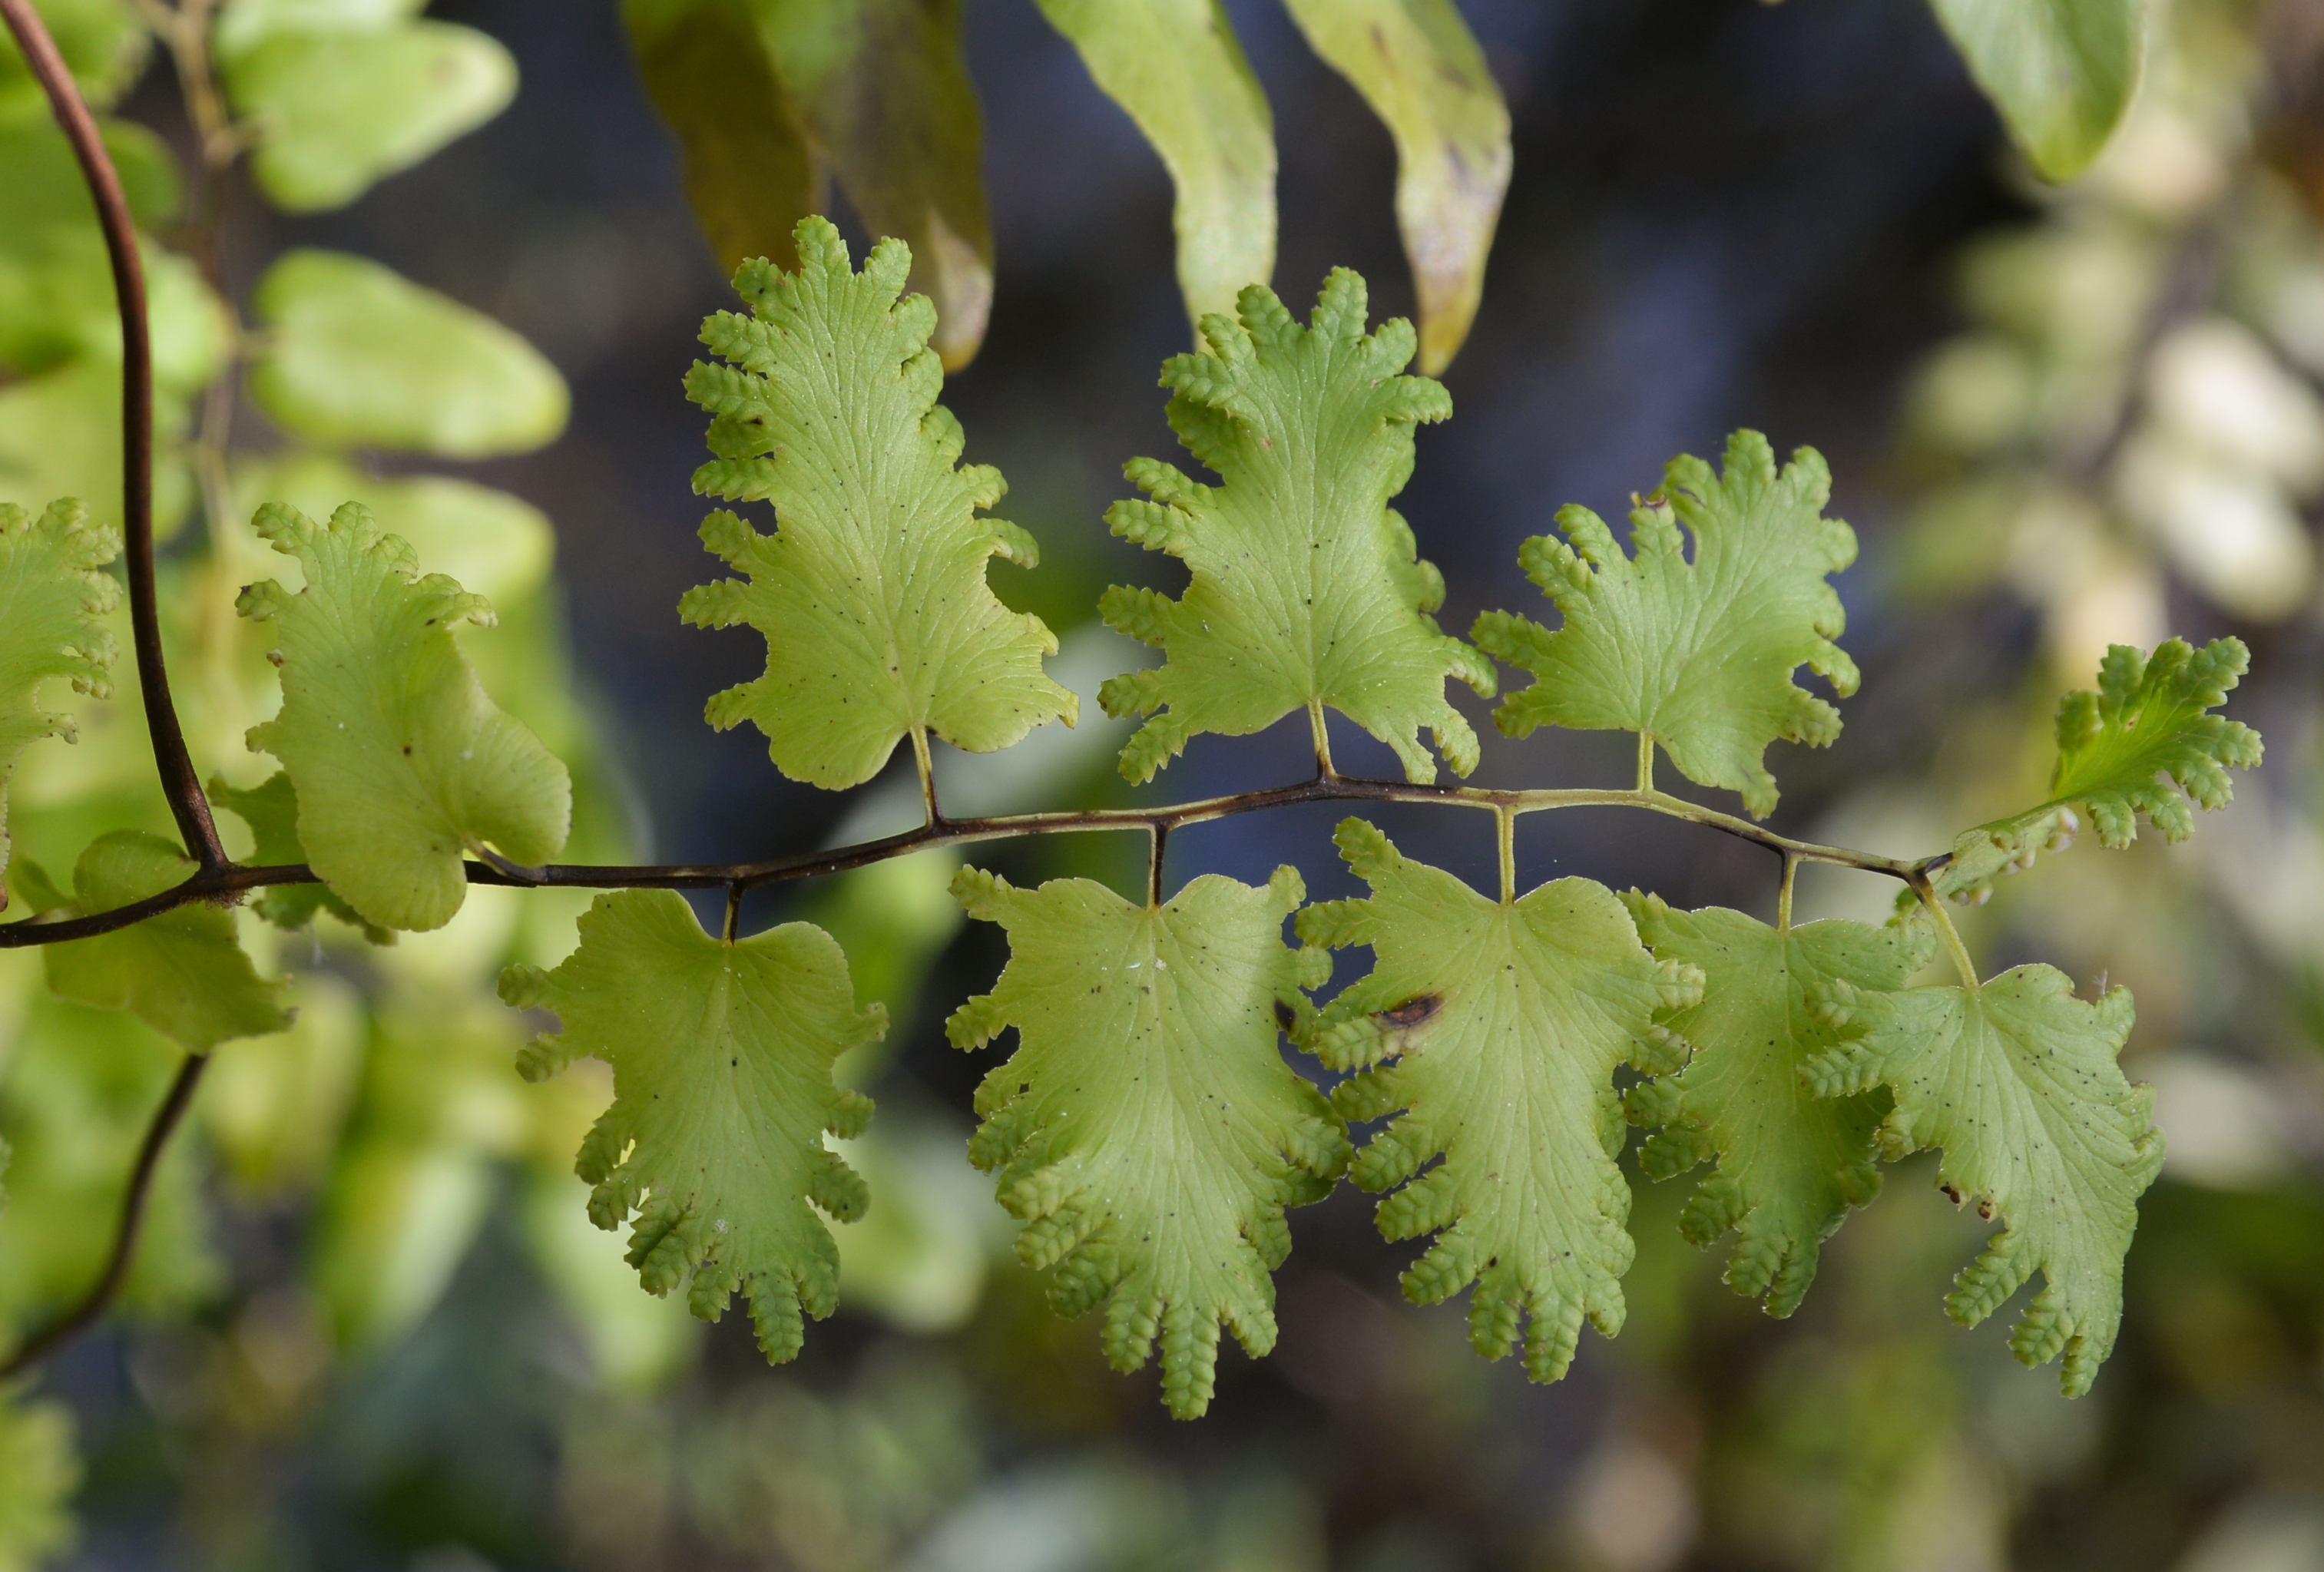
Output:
(722, 1053)
(1491, 1030)
(872, 592)
(1147, 1130)
(1307, 591)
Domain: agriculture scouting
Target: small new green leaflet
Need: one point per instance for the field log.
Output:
(2017, 1081)
(722, 1053)
(271, 809)
(400, 762)
(1699, 655)
(2119, 750)
(1504, 1021)
(1790, 1163)
(871, 593)
(1307, 589)
(183, 973)
(52, 607)
(1147, 1130)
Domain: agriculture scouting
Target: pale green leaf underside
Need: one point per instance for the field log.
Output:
(1699, 655)
(356, 355)
(1177, 68)
(183, 973)
(52, 606)
(1306, 588)
(2121, 751)
(1147, 1130)
(2018, 1084)
(401, 764)
(1419, 68)
(722, 1056)
(339, 108)
(270, 810)
(872, 592)
(2062, 72)
(1502, 1024)
(1790, 1163)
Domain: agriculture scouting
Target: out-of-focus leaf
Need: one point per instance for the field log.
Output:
(338, 110)
(103, 45)
(2061, 71)
(183, 973)
(358, 356)
(881, 89)
(39, 1472)
(244, 25)
(1176, 68)
(751, 173)
(61, 436)
(1418, 67)
(496, 545)
(275, 1106)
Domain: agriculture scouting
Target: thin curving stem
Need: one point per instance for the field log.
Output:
(180, 782)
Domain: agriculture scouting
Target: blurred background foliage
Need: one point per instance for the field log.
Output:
(370, 1326)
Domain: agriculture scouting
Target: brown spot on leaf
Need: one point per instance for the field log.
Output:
(1412, 1012)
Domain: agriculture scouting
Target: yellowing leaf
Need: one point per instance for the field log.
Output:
(871, 593)
(722, 1054)
(2130, 747)
(1501, 1022)
(750, 172)
(1306, 588)
(1147, 1131)
(2017, 1081)
(1418, 67)
(400, 762)
(1177, 68)
(355, 356)
(1697, 655)
(2061, 71)
(52, 607)
(1790, 1163)
(183, 973)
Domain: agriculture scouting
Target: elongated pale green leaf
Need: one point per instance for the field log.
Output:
(1418, 67)
(183, 973)
(40, 1470)
(1699, 655)
(722, 1055)
(873, 592)
(357, 356)
(2017, 1081)
(1499, 1023)
(885, 89)
(2061, 71)
(2131, 747)
(400, 762)
(1147, 1131)
(53, 602)
(338, 109)
(272, 811)
(1790, 1164)
(1306, 588)
(751, 172)
(1177, 68)
(242, 26)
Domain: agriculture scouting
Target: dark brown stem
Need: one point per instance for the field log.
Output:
(179, 781)
(99, 1299)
